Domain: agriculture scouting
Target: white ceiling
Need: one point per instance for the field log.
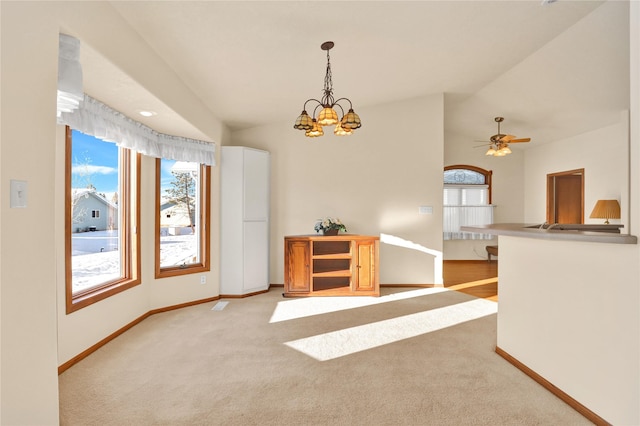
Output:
(253, 63)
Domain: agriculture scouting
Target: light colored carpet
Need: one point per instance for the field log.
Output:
(410, 357)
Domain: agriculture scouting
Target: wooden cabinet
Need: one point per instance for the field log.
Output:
(342, 265)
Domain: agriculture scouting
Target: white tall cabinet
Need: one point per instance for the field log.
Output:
(244, 220)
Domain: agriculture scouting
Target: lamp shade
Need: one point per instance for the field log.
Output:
(606, 209)
(506, 149)
(303, 122)
(328, 116)
(315, 131)
(351, 120)
(341, 131)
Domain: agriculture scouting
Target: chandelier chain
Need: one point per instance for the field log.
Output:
(328, 83)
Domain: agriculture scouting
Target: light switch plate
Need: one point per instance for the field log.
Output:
(18, 193)
(425, 210)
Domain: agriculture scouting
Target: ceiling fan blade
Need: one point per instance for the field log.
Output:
(507, 138)
(484, 144)
(519, 140)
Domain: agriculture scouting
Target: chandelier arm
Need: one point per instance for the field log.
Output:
(309, 100)
(316, 109)
(346, 99)
(327, 99)
(341, 109)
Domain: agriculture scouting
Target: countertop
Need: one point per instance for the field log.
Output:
(523, 230)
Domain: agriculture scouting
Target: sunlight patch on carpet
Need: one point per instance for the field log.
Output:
(348, 341)
(310, 306)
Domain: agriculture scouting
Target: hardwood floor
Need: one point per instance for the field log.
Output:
(478, 278)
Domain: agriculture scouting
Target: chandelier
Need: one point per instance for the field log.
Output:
(327, 104)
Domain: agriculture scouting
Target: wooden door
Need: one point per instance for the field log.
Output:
(297, 275)
(365, 266)
(565, 197)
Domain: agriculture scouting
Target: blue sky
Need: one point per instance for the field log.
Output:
(96, 162)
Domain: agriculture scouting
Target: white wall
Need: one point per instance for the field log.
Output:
(569, 310)
(29, 389)
(604, 156)
(373, 180)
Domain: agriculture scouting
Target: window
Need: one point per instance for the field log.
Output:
(467, 201)
(100, 177)
(182, 217)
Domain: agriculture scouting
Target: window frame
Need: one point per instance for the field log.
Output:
(487, 183)
(130, 229)
(487, 175)
(204, 265)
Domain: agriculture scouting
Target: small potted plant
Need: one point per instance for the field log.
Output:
(329, 226)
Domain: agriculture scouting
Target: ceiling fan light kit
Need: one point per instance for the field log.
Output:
(328, 116)
(499, 143)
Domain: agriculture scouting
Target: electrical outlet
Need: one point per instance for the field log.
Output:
(203, 279)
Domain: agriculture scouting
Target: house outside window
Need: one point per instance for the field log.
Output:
(182, 217)
(100, 177)
(467, 201)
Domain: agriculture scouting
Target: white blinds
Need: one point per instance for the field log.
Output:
(466, 205)
(97, 119)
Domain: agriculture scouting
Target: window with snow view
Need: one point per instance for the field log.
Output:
(102, 195)
(182, 217)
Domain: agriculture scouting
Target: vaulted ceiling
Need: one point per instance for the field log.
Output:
(253, 63)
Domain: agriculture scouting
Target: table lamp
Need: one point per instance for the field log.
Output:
(606, 209)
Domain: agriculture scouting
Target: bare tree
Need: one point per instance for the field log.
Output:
(183, 193)
(81, 179)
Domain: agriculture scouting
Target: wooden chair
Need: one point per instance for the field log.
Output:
(491, 251)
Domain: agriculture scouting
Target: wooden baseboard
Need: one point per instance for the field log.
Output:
(388, 285)
(412, 285)
(82, 355)
(588, 414)
(242, 296)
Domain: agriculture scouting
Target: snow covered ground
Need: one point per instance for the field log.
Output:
(95, 256)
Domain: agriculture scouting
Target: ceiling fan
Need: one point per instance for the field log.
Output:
(499, 143)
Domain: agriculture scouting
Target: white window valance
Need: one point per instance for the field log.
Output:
(69, 74)
(101, 121)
